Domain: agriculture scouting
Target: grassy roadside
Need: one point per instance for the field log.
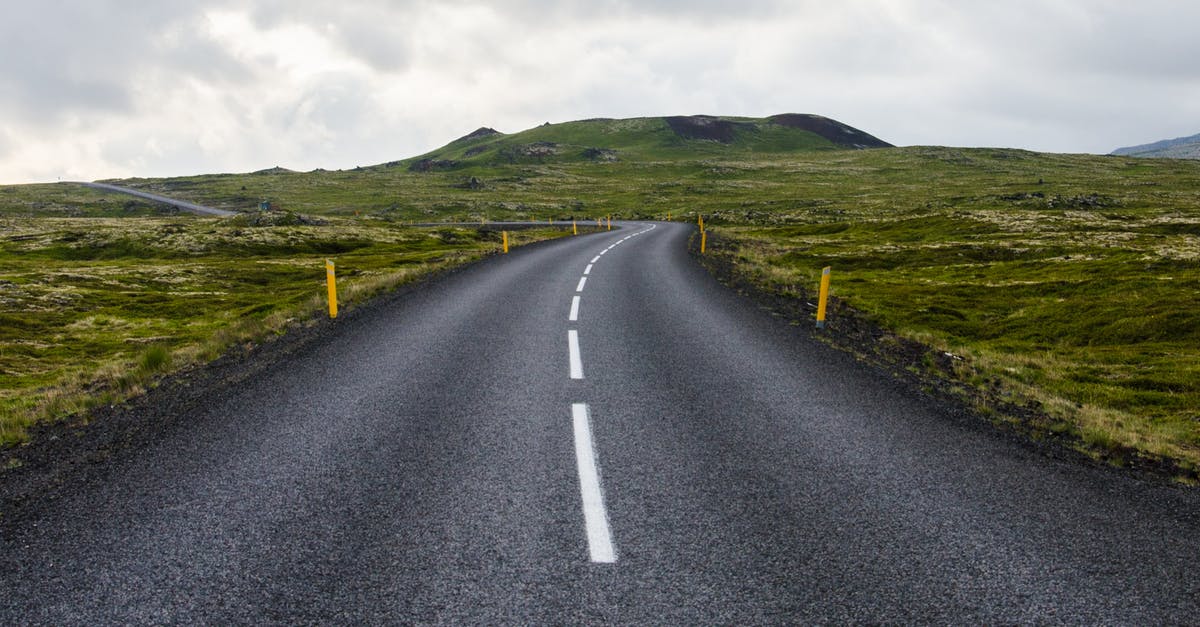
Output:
(1086, 321)
(95, 310)
(1064, 285)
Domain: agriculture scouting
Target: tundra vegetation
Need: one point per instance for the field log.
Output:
(93, 310)
(1063, 285)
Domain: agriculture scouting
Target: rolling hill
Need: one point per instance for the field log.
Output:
(606, 140)
(1178, 148)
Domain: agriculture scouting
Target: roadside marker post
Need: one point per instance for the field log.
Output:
(331, 287)
(504, 236)
(668, 216)
(574, 228)
(700, 221)
(610, 223)
(703, 241)
(824, 297)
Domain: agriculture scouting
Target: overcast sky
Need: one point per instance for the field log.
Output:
(94, 89)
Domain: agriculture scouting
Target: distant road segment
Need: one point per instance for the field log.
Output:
(179, 204)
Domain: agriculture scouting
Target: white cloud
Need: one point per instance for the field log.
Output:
(96, 88)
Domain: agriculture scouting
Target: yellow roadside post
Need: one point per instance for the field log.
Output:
(574, 228)
(703, 241)
(823, 301)
(668, 216)
(610, 223)
(331, 287)
(504, 235)
(700, 221)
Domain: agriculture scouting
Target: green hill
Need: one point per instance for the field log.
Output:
(607, 140)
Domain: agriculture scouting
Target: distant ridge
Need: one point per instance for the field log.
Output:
(1178, 148)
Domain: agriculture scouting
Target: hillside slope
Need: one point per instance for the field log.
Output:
(1178, 148)
(606, 140)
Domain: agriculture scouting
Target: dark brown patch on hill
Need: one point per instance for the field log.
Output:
(702, 127)
(836, 132)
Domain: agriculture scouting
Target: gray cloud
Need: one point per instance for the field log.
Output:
(104, 87)
(71, 57)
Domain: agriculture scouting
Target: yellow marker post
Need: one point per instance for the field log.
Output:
(610, 223)
(703, 241)
(331, 286)
(574, 228)
(824, 298)
(668, 216)
(504, 235)
(700, 221)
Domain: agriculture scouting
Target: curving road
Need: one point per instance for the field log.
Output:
(591, 431)
(166, 200)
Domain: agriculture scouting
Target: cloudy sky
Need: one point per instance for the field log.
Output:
(94, 89)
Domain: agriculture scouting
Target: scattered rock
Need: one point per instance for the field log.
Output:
(274, 218)
(429, 165)
(1088, 201)
(600, 154)
(1022, 196)
(482, 131)
(471, 183)
(536, 150)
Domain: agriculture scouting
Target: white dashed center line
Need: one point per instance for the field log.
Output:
(599, 536)
(573, 349)
(595, 516)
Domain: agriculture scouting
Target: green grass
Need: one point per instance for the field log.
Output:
(94, 310)
(1069, 280)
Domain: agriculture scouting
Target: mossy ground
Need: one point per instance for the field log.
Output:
(92, 310)
(1071, 280)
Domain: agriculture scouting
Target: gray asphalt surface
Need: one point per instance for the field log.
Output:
(419, 466)
(166, 200)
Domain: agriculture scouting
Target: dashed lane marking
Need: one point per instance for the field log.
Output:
(595, 517)
(575, 359)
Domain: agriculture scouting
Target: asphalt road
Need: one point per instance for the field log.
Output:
(166, 200)
(453, 459)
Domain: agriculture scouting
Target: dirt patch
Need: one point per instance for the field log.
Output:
(836, 132)
(934, 372)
